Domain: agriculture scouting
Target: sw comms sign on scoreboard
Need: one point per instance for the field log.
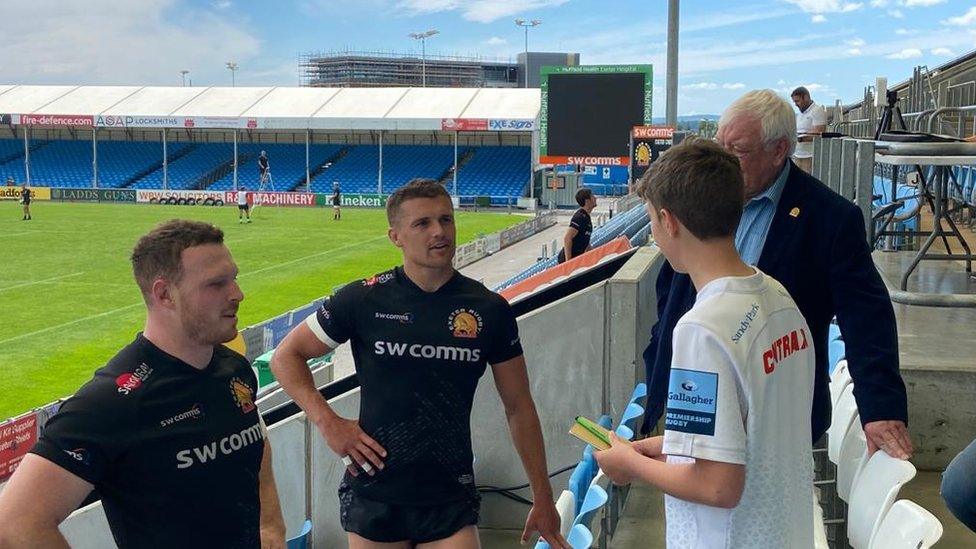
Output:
(588, 111)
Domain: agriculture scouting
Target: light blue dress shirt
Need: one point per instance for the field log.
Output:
(757, 216)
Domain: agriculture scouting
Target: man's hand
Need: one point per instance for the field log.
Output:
(890, 436)
(544, 519)
(346, 438)
(615, 461)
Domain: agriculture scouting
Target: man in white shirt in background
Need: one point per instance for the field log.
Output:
(810, 121)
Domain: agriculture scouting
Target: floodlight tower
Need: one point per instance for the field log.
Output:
(527, 25)
(233, 71)
(183, 73)
(423, 36)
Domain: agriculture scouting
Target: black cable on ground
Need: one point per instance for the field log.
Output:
(509, 492)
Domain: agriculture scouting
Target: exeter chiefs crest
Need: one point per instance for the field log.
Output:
(465, 323)
(642, 154)
(243, 396)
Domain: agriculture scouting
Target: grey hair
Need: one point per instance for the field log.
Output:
(774, 113)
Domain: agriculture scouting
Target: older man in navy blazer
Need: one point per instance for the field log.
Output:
(813, 241)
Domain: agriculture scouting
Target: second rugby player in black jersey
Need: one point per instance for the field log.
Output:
(422, 336)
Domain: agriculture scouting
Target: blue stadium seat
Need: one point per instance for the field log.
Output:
(596, 497)
(579, 480)
(836, 351)
(580, 537)
(301, 540)
(632, 414)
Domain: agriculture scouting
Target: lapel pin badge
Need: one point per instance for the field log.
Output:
(795, 212)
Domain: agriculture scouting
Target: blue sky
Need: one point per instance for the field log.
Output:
(834, 47)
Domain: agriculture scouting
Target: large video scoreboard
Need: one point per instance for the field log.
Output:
(588, 113)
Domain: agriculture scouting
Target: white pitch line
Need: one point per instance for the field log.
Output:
(113, 311)
(65, 324)
(46, 280)
(310, 256)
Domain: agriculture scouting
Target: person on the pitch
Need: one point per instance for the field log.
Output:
(167, 432)
(336, 201)
(243, 208)
(422, 336)
(25, 199)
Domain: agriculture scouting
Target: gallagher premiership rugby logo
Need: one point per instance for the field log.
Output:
(243, 396)
(130, 381)
(465, 323)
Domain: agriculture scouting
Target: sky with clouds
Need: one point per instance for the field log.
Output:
(834, 47)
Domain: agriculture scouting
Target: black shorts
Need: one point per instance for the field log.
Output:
(244, 207)
(388, 523)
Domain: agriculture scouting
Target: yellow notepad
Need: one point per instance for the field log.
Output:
(591, 433)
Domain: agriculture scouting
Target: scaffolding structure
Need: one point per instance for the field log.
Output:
(376, 69)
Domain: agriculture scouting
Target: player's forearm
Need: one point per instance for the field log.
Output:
(527, 436)
(16, 534)
(294, 376)
(272, 521)
(684, 481)
(568, 247)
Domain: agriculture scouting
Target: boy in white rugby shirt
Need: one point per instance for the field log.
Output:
(735, 459)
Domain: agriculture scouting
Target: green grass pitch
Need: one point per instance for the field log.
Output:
(68, 301)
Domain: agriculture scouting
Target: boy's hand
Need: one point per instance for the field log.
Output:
(651, 447)
(615, 461)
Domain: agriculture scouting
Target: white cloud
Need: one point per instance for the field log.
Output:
(826, 6)
(905, 32)
(702, 86)
(897, 14)
(222, 4)
(941, 51)
(733, 86)
(481, 11)
(921, 3)
(818, 18)
(854, 51)
(908, 53)
(149, 43)
(495, 41)
(964, 20)
(855, 42)
(879, 3)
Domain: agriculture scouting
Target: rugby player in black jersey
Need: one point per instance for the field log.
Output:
(422, 335)
(167, 432)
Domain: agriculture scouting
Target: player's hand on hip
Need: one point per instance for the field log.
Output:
(889, 435)
(357, 449)
(544, 519)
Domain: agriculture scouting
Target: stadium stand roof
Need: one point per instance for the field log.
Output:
(283, 108)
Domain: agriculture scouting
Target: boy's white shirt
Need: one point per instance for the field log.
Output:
(741, 393)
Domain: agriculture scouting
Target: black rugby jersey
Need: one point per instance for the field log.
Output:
(25, 196)
(418, 357)
(583, 224)
(174, 451)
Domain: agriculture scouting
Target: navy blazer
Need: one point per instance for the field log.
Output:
(817, 248)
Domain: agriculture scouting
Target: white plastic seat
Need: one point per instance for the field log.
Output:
(840, 378)
(873, 494)
(853, 456)
(566, 507)
(843, 415)
(907, 525)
